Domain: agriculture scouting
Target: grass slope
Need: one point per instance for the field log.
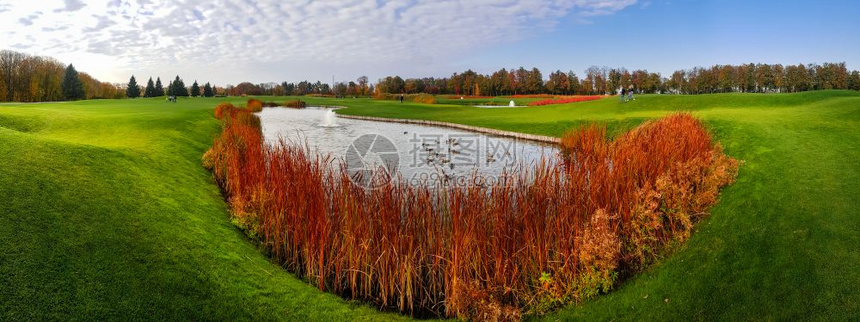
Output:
(107, 213)
(784, 241)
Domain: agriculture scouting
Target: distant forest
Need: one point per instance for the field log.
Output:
(747, 78)
(27, 78)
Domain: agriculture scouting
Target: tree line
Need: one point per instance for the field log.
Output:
(174, 88)
(28, 78)
(359, 87)
(600, 80)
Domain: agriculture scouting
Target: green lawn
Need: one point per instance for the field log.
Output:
(500, 100)
(107, 213)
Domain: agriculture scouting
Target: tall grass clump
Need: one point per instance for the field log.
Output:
(295, 104)
(424, 99)
(416, 98)
(542, 236)
(255, 105)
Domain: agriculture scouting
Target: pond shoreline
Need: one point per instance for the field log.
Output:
(510, 134)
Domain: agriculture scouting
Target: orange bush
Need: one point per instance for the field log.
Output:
(456, 97)
(424, 99)
(571, 99)
(221, 109)
(254, 105)
(556, 232)
(532, 96)
(295, 104)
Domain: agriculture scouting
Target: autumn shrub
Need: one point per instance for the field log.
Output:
(417, 98)
(456, 97)
(532, 96)
(571, 99)
(541, 236)
(254, 105)
(424, 99)
(222, 109)
(295, 104)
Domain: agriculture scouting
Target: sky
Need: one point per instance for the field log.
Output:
(231, 41)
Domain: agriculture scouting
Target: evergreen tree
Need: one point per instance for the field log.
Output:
(150, 89)
(207, 90)
(195, 89)
(170, 89)
(159, 88)
(179, 87)
(133, 90)
(73, 88)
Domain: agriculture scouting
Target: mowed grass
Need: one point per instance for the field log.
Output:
(107, 213)
(784, 241)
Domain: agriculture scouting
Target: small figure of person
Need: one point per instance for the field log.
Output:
(630, 94)
(401, 99)
(623, 97)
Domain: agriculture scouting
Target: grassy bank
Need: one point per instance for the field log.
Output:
(783, 241)
(107, 213)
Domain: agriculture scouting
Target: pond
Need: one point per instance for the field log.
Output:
(421, 154)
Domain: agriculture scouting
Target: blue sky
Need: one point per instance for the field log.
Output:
(229, 41)
(664, 36)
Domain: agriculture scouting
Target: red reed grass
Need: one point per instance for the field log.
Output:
(533, 96)
(295, 104)
(572, 99)
(456, 97)
(255, 105)
(539, 238)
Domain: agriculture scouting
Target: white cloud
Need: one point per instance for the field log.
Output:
(235, 40)
(71, 5)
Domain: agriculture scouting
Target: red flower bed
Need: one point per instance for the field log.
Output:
(573, 99)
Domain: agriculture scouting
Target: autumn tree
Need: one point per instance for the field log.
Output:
(557, 83)
(363, 86)
(596, 77)
(28, 78)
(247, 88)
(637, 78)
(9, 63)
(95, 89)
(534, 81)
(340, 89)
(854, 80)
(410, 86)
(613, 81)
(573, 84)
(499, 83)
